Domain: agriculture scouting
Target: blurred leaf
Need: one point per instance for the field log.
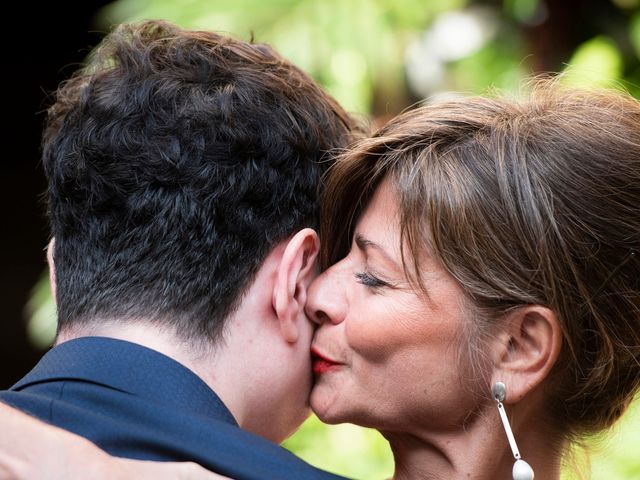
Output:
(498, 64)
(634, 33)
(40, 312)
(346, 449)
(522, 10)
(612, 455)
(597, 62)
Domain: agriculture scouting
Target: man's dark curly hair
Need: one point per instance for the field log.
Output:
(176, 160)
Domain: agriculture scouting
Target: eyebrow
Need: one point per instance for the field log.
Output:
(364, 244)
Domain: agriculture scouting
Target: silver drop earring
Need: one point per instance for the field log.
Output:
(521, 469)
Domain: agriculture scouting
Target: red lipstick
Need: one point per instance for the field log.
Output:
(321, 363)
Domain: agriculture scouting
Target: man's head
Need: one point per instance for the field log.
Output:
(177, 160)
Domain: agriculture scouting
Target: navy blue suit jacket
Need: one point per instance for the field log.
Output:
(135, 402)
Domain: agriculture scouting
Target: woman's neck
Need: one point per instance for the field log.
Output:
(480, 451)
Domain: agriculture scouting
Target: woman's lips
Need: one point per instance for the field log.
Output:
(322, 363)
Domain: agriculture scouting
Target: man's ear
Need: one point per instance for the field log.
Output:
(52, 267)
(526, 349)
(296, 270)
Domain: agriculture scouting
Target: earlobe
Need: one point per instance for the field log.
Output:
(526, 350)
(295, 272)
(52, 269)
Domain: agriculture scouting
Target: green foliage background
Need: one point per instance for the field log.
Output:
(377, 57)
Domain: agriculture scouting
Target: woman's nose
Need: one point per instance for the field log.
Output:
(326, 301)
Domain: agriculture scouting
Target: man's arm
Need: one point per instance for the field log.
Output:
(32, 449)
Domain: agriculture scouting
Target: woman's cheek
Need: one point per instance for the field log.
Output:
(376, 332)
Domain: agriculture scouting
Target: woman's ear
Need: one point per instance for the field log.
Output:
(296, 271)
(526, 349)
(52, 267)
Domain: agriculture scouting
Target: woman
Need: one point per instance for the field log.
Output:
(484, 260)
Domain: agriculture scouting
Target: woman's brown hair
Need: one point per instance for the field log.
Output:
(523, 201)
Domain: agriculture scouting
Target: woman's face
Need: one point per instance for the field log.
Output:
(384, 355)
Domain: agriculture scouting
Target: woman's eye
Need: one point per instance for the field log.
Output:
(370, 281)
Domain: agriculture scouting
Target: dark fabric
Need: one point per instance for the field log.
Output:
(135, 402)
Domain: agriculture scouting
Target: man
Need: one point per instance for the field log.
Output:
(183, 170)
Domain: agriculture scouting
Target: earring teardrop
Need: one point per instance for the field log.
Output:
(522, 470)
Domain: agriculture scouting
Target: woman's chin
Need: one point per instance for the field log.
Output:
(336, 409)
(325, 407)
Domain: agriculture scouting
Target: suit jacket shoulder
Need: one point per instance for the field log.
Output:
(135, 402)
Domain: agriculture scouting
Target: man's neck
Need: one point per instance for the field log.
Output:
(200, 359)
(147, 334)
(228, 368)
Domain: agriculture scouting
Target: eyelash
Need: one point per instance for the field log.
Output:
(370, 281)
